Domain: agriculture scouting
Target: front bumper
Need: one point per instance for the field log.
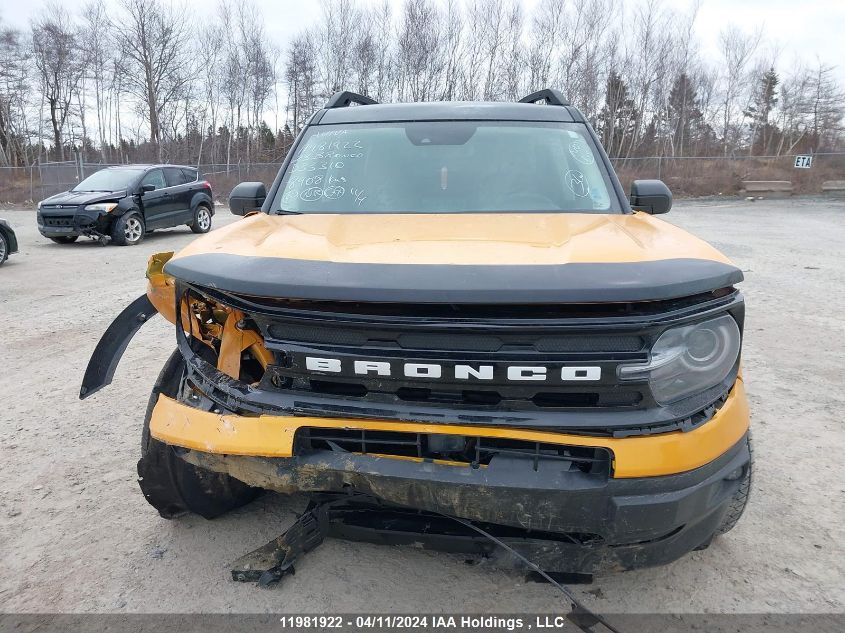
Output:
(72, 222)
(665, 495)
(565, 526)
(655, 455)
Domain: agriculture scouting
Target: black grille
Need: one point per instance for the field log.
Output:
(580, 346)
(474, 451)
(296, 336)
(502, 396)
(59, 220)
(391, 338)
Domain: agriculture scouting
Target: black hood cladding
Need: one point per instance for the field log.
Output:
(457, 284)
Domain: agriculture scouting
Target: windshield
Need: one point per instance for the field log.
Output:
(446, 167)
(109, 180)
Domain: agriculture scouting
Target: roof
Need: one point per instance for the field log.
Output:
(447, 111)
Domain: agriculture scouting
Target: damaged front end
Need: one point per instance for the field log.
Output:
(219, 329)
(599, 477)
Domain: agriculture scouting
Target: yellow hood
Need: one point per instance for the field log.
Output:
(471, 239)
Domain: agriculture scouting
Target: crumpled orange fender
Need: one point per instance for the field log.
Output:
(161, 290)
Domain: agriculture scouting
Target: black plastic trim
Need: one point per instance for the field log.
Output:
(549, 95)
(446, 111)
(442, 283)
(110, 348)
(344, 99)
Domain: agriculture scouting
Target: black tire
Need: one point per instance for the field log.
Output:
(740, 498)
(65, 239)
(4, 248)
(128, 229)
(170, 484)
(202, 219)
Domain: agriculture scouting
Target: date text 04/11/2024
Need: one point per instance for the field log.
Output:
(390, 622)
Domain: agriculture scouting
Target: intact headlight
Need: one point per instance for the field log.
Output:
(689, 359)
(101, 206)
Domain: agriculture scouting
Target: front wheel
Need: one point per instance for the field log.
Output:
(4, 248)
(128, 229)
(65, 239)
(739, 500)
(170, 484)
(202, 220)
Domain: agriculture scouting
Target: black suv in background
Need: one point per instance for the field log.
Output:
(124, 203)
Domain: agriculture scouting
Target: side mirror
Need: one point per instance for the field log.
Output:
(246, 197)
(147, 188)
(651, 196)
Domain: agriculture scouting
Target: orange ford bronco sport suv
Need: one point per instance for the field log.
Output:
(453, 309)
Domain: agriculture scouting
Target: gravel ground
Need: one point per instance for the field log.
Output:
(77, 536)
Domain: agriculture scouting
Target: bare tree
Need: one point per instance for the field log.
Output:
(210, 56)
(453, 50)
(249, 78)
(634, 69)
(488, 17)
(301, 77)
(737, 49)
(14, 92)
(155, 58)
(512, 55)
(420, 58)
(826, 106)
(335, 42)
(96, 40)
(547, 24)
(260, 77)
(58, 61)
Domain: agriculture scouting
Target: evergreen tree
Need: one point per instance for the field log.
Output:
(618, 118)
(764, 100)
(685, 117)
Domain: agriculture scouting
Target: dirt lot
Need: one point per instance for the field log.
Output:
(78, 536)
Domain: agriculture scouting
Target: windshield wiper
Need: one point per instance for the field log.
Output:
(287, 212)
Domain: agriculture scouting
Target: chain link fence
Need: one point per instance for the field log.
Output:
(711, 176)
(28, 185)
(688, 176)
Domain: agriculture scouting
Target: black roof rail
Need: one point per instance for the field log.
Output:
(344, 99)
(549, 95)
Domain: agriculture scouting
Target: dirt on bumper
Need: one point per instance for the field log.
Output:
(591, 525)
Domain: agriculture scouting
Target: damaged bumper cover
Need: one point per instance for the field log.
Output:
(659, 498)
(73, 222)
(592, 526)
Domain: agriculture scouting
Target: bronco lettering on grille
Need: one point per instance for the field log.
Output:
(515, 373)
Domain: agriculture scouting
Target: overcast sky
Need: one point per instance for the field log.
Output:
(802, 28)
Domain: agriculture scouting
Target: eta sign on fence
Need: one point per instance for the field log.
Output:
(803, 162)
